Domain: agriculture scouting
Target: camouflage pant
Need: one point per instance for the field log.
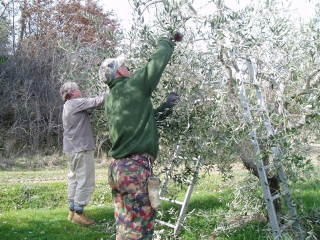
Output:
(135, 218)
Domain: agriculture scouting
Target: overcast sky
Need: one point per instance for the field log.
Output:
(123, 10)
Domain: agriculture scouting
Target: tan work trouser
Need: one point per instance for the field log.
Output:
(81, 177)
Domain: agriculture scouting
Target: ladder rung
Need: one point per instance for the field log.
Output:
(247, 82)
(285, 192)
(256, 109)
(189, 182)
(165, 223)
(272, 165)
(286, 225)
(269, 166)
(274, 197)
(279, 195)
(171, 200)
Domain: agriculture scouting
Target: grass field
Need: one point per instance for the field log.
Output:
(33, 206)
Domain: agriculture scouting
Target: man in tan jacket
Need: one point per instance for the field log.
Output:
(78, 145)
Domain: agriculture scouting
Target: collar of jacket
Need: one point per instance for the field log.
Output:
(115, 81)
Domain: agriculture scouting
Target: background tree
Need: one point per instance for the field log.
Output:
(58, 41)
(4, 31)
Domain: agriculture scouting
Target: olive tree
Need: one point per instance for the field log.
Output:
(209, 120)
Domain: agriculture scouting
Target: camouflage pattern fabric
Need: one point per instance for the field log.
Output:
(135, 218)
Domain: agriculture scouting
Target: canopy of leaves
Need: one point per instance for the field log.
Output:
(209, 64)
(85, 24)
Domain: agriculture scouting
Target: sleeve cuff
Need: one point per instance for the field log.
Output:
(166, 40)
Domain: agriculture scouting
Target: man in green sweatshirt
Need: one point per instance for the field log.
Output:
(135, 139)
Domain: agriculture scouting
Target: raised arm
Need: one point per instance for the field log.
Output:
(89, 103)
(149, 76)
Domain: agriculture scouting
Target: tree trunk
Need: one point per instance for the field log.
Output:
(22, 22)
(249, 164)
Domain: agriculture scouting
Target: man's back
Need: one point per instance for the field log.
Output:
(77, 135)
(130, 117)
(129, 110)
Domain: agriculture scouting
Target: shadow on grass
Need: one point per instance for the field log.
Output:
(249, 231)
(206, 202)
(201, 217)
(52, 225)
(312, 184)
(309, 205)
(201, 202)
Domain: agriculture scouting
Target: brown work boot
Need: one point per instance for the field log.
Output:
(70, 215)
(82, 220)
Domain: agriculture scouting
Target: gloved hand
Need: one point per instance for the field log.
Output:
(177, 37)
(172, 99)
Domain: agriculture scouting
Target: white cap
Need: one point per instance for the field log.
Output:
(109, 67)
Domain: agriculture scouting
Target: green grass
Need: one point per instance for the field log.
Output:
(51, 224)
(34, 207)
(308, 195)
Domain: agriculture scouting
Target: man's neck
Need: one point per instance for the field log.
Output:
(74, 97)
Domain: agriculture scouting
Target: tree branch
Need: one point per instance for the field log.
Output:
(229, 72)
(5, 7)
(309, 79)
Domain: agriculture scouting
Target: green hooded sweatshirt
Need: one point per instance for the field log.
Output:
(128, 108)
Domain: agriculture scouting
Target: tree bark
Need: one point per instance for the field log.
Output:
(23, 22)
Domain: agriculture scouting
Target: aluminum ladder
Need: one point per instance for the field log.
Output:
(276, 228)
(184, 205)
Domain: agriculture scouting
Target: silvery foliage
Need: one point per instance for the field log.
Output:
(208, 121)
(190, 74)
